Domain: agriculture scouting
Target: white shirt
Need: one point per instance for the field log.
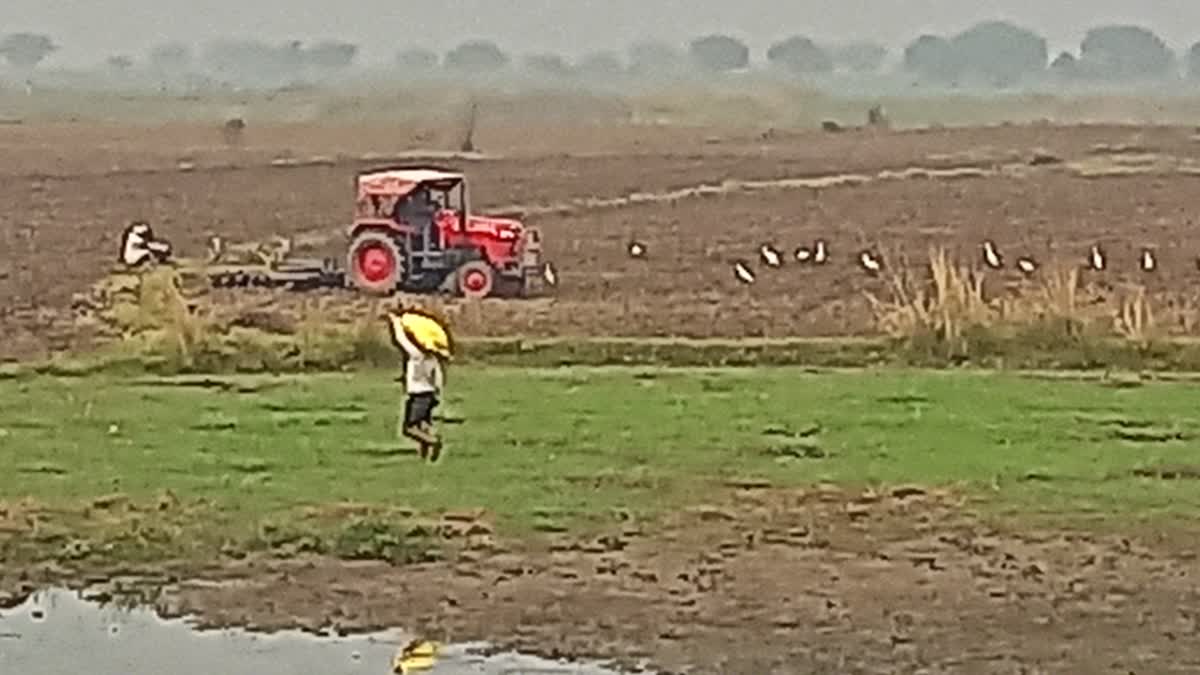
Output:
(136, 249)
(422, 371)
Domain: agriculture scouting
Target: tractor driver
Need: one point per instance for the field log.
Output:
(419, 211)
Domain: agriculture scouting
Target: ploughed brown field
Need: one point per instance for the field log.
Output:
(68, 191)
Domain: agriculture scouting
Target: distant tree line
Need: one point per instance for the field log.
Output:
(999, 53)
(990, 53)
(26, 50)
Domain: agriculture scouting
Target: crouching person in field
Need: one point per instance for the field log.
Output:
(426, 349)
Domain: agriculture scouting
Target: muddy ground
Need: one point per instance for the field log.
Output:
(70, 189)
(771, 583)
(822, 581)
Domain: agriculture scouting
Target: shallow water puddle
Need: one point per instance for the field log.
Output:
(57, 631)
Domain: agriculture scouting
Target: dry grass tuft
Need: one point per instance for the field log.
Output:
(1049, 303)
(162, 311)
(1135, 319)
(942, 307)
(947, 312)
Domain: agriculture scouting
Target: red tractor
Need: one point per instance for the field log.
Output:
(413, 232)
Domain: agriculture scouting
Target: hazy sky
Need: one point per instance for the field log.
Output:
(88, 30)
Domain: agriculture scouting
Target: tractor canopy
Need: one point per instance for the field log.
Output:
(402, 182)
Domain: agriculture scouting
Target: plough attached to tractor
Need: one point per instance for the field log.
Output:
(412, 232)
(269, 266)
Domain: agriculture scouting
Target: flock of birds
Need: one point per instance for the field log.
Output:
(872, 263)
(139, 245)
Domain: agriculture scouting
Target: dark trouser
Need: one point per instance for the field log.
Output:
(418, 410)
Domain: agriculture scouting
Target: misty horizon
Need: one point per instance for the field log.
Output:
(87, 34)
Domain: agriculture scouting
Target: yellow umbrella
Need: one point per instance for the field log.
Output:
(416, 656)
(425, 331)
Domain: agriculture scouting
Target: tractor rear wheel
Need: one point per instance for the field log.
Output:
(376, 263)
(476, 279)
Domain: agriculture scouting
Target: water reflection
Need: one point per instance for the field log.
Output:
(57, 632)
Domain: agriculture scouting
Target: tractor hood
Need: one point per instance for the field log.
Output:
(500, 228)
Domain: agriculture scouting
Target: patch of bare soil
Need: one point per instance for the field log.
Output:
(696, 201)
(815, 582)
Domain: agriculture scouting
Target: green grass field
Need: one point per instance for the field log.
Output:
(90, 459)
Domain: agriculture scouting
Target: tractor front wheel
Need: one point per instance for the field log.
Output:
(376, 263)
(476, 279)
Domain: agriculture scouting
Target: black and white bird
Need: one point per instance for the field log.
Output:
(743, 273)
(1027, 265)
(550, 275)
(991, 256)
(804, 254)
(820, 254)
(770, 256)
(1096, 259)
(216, 248)
(1149, 264)
(139, 246)
(870, 262)
(637, 249)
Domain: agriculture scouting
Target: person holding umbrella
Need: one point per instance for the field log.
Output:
(426, 347)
